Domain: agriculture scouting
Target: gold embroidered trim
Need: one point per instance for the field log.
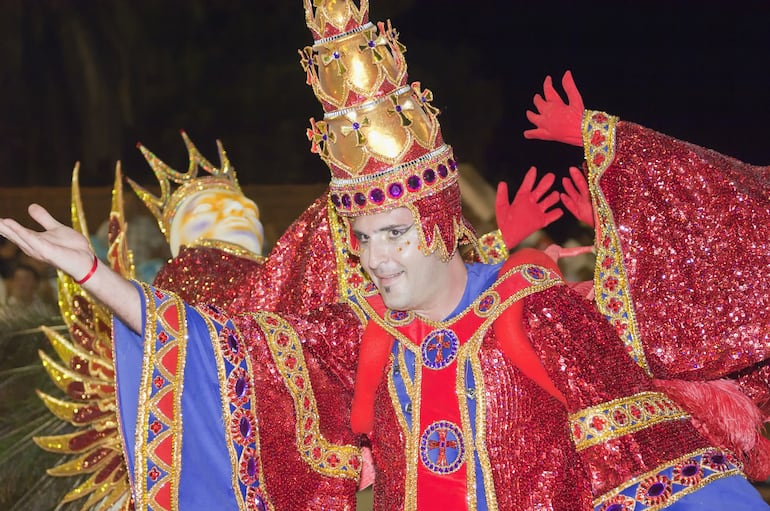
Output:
(611, 288)
(152, 391)
(613, 419)
(710, 464)
(321, 455)
(493, 249)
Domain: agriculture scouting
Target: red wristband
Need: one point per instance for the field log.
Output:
(90, 272)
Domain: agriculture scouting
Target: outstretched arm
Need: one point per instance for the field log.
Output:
(555, 119)
(69, 251)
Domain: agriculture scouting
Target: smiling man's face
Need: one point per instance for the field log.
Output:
(408, 280)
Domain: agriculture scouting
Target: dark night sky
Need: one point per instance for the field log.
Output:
(695, 70)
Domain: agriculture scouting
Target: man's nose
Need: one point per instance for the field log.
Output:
(376, 253)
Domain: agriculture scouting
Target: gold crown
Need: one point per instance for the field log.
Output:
(164, 207)
(380, 137)
(328, 18)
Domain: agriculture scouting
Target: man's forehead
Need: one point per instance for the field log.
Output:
(376, 221)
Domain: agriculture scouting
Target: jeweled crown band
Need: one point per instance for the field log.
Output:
(395, 187)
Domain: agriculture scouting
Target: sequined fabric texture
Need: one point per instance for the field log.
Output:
(589, 365)
(329, 336)
(533, 462)
(696, 248)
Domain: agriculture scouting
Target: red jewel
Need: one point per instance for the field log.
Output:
(599, 117)
(156, 427)
(163, 337)
(597, 138)
(598, 423)
(154, 474)
(159, 381)
(598, 159)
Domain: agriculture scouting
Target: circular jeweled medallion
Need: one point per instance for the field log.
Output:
(442, 449)
(439, 348)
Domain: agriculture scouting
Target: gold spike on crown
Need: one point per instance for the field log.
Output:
(328, 18)
(164, 207)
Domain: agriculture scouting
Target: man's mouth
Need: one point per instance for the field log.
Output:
(387, 279)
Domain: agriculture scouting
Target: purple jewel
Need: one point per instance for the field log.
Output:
(245, 426)
(398, 108)
(452, 164)
(377, 196)
(240, 387)
(371, 44)
(395, 190)
(232, 342)
(336, 54)
(656, 490)
(689, 470)
(324, 137)
(356, 125)
(258, 504)
(413, 183)
(346, 201)
(429, 175)
(336, 200)
(616, 507)
(719, 459)
(442, 171)
(359, 199)
(251, 467)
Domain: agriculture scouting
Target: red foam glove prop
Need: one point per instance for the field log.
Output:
(555, 119)
(576, 197)
(530, 209)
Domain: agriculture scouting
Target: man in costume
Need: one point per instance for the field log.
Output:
(682, 269)
(478, 386)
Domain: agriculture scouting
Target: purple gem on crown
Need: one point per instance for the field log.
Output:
(346, 201)
(395, 190)
(335, 200)
(413, 183)
(429, 175)
(360, 199)
(377, 196)
(442, 171)
(452, 164)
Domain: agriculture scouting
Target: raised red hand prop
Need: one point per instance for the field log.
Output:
(576, 197)
(529, 210)
(555, 119)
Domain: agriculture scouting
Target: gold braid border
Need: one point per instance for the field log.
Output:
(611, 288)
(671, 481)
(613, 419)
(286, 348)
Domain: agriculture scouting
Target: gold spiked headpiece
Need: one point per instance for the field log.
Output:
(380, 135)
(165, 207)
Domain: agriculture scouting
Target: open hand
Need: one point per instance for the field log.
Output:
(576, 197)
(530, 209)
(57, 245)
(555, 119)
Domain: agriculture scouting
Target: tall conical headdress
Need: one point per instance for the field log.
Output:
(380, 136)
